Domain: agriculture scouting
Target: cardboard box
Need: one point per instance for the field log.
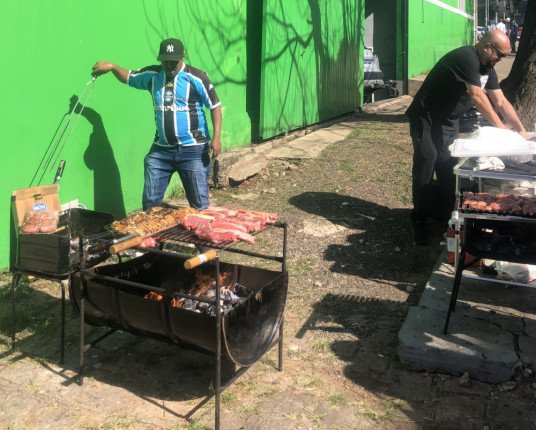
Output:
(43, 197)
(57, 254)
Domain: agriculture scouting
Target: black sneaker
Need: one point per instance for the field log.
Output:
(420, 233)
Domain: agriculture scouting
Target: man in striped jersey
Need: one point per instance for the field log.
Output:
(182, 141)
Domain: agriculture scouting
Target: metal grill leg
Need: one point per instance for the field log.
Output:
(82, 338)
(14, 283)
(280, 352)
(455, 287)
(62, 328)
(217, 388)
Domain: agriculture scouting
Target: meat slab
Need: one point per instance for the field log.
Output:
(220, 224)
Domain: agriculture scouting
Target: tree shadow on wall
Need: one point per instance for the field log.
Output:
(336, 65)
(99, 157)
(287, 101)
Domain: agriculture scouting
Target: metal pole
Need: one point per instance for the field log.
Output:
(82, 310)
(217, 388)
(281, 326)
(62, 328)
(475, 21)
(14, 283)
(82, 334)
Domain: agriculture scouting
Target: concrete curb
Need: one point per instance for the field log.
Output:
(488, 334)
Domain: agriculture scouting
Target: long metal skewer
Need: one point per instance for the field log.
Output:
(48, 163)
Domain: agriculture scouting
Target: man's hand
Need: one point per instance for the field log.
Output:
(101, 67)
(215, 146)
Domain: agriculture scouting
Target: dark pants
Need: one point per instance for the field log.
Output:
(160, 164)
(513, 45)
(431, 138)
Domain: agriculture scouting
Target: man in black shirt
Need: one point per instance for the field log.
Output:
(455, 84)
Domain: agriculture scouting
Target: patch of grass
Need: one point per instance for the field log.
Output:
(248, 409)
(346, 166)
(392, 406)
(176, 193)
(337, 399)
(268, 392)
(32, 385)
(308, 382)
(195, 425)
(247, 384)
(122, 421)
(300, 266)
(228, 397)
(388, 411)
(322, 344)
(405, 199)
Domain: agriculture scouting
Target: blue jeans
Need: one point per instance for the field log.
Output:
(160, 164)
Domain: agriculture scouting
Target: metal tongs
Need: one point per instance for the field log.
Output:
(60, 138)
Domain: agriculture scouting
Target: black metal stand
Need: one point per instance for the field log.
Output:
(17, 275)
(217, 388)
(456, 286)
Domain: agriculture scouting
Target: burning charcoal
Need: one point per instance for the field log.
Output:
(204, 307)
(177, 303)
(230, 297)
(154, 296)
(74, 243)
(190, 304)
(205, 286)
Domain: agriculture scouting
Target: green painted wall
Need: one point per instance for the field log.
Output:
(319, 43)
(434, 30)
(50, 47)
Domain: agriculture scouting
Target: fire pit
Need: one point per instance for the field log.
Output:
(223, 309)
(139, 296)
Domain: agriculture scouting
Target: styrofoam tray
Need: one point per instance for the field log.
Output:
(492, 142)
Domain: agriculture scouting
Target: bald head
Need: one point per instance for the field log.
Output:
(498, 38)
(494, 46)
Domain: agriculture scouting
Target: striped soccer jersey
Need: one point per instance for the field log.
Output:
(178, 103)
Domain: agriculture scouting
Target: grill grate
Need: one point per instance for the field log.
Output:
(179, 234)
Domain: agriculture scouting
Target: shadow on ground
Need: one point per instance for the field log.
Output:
(380, 247)
(148, 368)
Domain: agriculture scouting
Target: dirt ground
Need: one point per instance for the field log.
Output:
(353, 274)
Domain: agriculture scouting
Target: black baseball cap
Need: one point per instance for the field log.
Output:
(171, 50)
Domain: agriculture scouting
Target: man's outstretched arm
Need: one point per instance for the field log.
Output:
(507, 111)
(102, 67)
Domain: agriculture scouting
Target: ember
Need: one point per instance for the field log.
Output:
(231, 293)
(154, 296)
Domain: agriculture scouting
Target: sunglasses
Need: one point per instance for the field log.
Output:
(499, 53)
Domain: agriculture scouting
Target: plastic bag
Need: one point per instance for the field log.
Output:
(517, 272)
(492, 141)
(490, 163)
(40, 222)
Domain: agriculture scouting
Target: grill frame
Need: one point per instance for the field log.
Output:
(487, 222)
(54, 261)
(177, 235)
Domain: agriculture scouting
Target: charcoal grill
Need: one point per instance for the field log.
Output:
(56, 256)
(497, 236)
(113, 296)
